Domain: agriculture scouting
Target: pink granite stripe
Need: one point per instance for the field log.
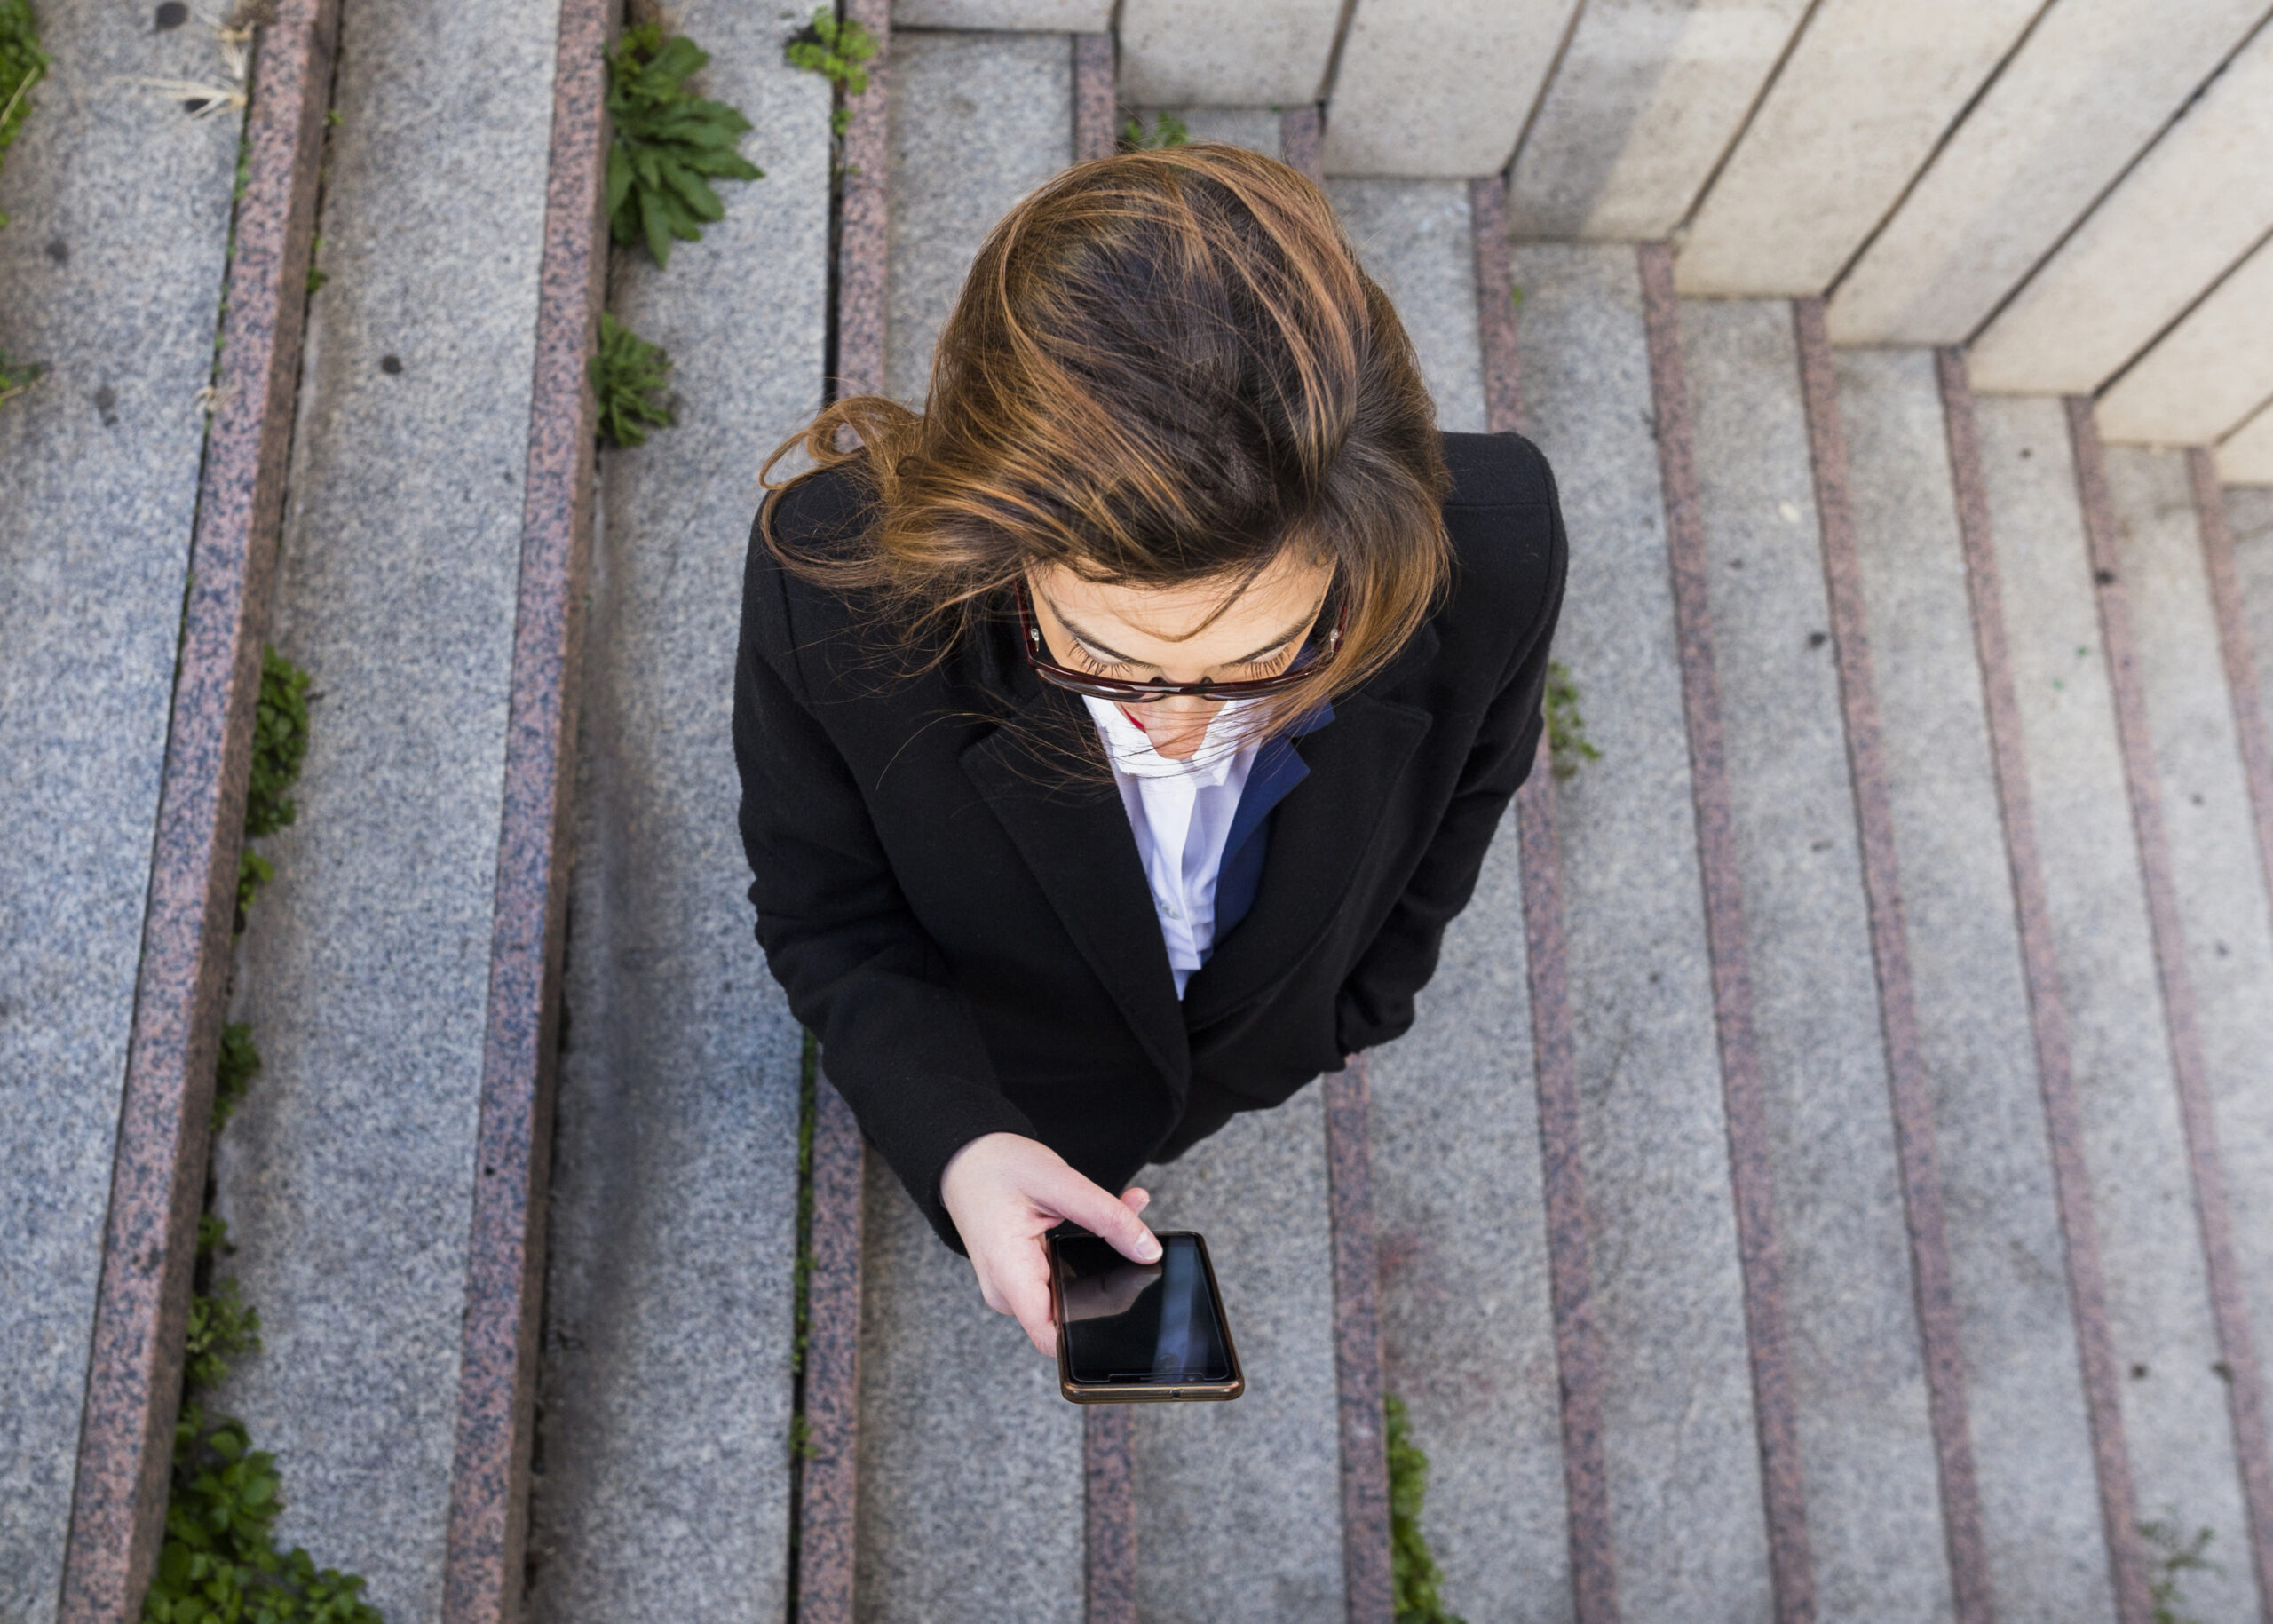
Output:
(1578, 1350)
(828, 1478)
(1789, 1556)
(1302, 141)
(2233, 644)
(1096, 99)
(2047, 1007)
(864, 217)
(488, 1513)
(1110, 1503)
(2244, 1397)
(1919, 1161)
(158, 1173)
(1358, 1350)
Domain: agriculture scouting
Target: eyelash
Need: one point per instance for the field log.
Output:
(1104, 668)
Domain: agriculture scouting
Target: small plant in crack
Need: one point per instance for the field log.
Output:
(669, 145)
(837, 49)
(14, 379)
(1167, 130)
(628, 375)
(2171, 1556)
(1567, 744)
(1413, 1573)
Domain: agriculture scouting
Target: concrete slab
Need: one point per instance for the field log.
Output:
(978, 122)
(970, 1462)
(2159, 1313)
(1396, 111)
(120, 205)
(347, 1176)
(2078, 100)
(1414, 237)
(1647, 98)
(2225, 911)
(1858, 1375)
(675, 1177)
(2245, 455)
(2208, 374)
(1468, 1329)
(1859, 103)
(1256, 129)
(1683, 1457)
(2031, 1445)
(1263, 53)
(1238, 1506)
(1037, 16)
(2197, 202)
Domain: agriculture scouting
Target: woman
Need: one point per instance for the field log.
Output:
(1118, 737)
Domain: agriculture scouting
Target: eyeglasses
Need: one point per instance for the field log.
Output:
(1091, 686)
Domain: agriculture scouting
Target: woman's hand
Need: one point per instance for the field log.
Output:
(1005, 1193)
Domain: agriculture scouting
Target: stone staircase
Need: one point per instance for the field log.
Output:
(1832, 1176)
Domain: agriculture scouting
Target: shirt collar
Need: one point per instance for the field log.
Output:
(1133, 753)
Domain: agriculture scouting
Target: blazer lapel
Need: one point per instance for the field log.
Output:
(1075, 838)
(1321, 832)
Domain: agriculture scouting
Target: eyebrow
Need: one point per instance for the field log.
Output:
(1095, 647)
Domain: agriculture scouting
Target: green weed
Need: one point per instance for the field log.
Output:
(1566, 730)
(280, 744)
(15, 379)
(2173, 1556)
(1413, 1573)
(670, 143)
(220, 1328)
(22, 65)
(1167, 130)
(627, 376)
(234, 1071)
(837, 50)
(220, 1561)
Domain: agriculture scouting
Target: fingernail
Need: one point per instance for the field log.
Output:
(1148, 1250)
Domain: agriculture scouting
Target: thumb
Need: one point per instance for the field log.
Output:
(1097, 1211)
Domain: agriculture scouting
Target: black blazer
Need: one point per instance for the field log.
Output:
(971, 937)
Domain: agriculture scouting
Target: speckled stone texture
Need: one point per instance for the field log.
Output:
(2159, 1309)
(2243, 681)
(2249, 515)
(674, 1211)
(1683, 1461)
(1239, 1505)
(2218, 884)
(113, 264)
(972, 1482)
(829, 1479)
(978, 122)
(347, 1176)
(1866, 1453)
(2031, 1441)
(1412, 238)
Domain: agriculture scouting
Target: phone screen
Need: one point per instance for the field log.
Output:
(1129, 1323)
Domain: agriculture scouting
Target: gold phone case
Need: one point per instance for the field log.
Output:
(1136, 1392)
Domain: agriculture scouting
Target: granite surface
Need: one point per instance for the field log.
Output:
(1646, 99)
(1043, 16)
(2249, 513)
(1683, 1458)
(2188, 209)
(971, 1472)
(1398, 110)
(347, 1176)
(2208, 374)
(1867, 1452)
(2157, 1298)
(2033, 1453)
(1467, 1332)
(1261, 53)
(119, 200)
(2217, 871)
(1239, 1505)
(1413, 237)
(2075, 105)
(674, 1210)
(978, 122)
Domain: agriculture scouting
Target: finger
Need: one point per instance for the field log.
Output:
(1135, 1200)
(1072, 1197)
(1025, 1297)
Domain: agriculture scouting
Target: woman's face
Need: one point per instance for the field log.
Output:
(1138, 633)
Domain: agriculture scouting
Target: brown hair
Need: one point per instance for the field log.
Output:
(1164, 367)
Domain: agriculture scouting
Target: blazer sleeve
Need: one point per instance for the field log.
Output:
(899, 1043)
(1375, 1004)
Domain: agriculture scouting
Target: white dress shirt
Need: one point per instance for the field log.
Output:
(1181, 813)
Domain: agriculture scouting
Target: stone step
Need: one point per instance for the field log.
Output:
(119, 203)
(349, 1177)
(2249, 511)
(668, 1313)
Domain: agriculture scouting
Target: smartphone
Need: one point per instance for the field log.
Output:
(1140, 1332)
